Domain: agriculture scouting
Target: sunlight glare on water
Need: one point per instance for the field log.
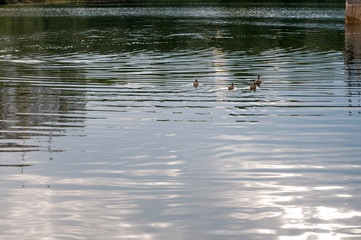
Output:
(103, 136)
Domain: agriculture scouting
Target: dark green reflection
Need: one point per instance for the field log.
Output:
(229, 27)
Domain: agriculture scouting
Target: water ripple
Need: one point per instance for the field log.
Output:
(103, 134)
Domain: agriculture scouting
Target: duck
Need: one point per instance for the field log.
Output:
(258, 81)
(196, 83)
(231, 87)
(252, 87)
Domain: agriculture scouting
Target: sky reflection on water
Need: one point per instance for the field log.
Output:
(121, 146)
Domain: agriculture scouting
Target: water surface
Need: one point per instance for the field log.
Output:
(103, 136)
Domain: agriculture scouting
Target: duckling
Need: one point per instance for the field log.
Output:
(231, 87)
(196, 83)
(252, 88)
(258, 81)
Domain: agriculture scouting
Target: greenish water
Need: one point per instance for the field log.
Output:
(103, 136)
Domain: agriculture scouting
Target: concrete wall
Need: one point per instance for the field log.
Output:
(353, 11)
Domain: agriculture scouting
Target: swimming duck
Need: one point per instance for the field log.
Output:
(231, 87)
(253, 88)
(258, 81)
(196, 83)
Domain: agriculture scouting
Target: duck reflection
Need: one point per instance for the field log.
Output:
(353, 64)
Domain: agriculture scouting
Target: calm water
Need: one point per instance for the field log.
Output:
(102, 135)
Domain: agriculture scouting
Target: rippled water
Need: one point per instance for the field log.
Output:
(103, 136)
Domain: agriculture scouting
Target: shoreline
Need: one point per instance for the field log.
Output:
(55, 2)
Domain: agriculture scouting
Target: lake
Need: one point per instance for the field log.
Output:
(103, 136)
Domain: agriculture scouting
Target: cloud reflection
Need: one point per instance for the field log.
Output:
(162, 160)
(292, 196)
